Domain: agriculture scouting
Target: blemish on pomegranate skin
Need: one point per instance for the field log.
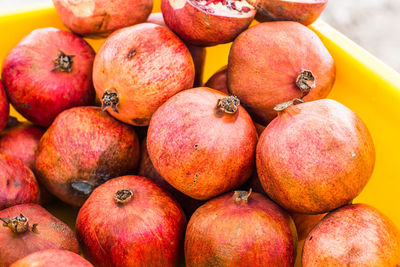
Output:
(131, 54)
(195, 147)
(310, 238)
(8, 182)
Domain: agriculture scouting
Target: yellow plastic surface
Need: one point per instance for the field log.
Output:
(363, 83)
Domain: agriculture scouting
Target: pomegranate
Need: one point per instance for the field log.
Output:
(200, 161)
(130, 221)
(4, 107)
(238, 229)
(29, 228)
(82, 149)
(218, 81)
(275, 62)
(138, 68)
(315, 156)
(198, 53)
(47, 72)
(354, 235)
(18, 184)
(303, 11)
(305, 223)
(207, 22)
(52, 257)
(101, 17)
(146, 169)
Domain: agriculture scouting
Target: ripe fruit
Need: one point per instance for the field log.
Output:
(200, 161)
(275, 62)
(52, 257)
(354, 235)
(82, 149)
(48, 71)
(138, 68)
(315, 157)
(207, 23)
(29, 228)
(101, 17)
(238, 229)
(130, 221)
(4, 107)
(18, 184)
(218, 81)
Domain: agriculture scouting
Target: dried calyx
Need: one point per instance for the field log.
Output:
(285, 105)
(305, 82)
(228, 104)
(242, 196)
(110, 99)
(63, 63)
(122, 196)
(18, 224)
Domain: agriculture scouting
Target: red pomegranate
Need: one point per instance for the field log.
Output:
(218, 80)
(303, 11)
(4, 107)
(315, 156)
(202, 142)
(305, 223)
(207, 22)
(29, 228)
(146, 169)
(275, 62)
(354, 235)
(101, 17)
(138, 68)
(82, 149)
(239, 229)
(130, 221)
(47, 72)
(52, 257)
(18, 184)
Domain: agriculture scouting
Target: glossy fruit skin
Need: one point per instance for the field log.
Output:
(200, 28)
(219, 81)
(265, 61)
(303, 11)
(225, 233)
(305, 223)
(145, 64)
(4, 107)
(353, 235)
(102, 16)
(148, 230)
(315, 157)
(199, 161)
(82, 149)
(50, 233)
(52, 257)
(39, 93)
(146, 169)
(18, 184)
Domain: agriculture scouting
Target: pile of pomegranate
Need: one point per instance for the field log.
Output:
(169, 170)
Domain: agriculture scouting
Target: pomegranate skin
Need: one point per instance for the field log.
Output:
(230, 232)
(101, 17)
(52, 257)
(353, 235)
(82, 149)
(303, 11)
(18, 184)
(315, 157)
(199, 161)
(35, 87)
(146, 169)
(266, 60)
(219, 81)
(145, 230)
(4, 107)
(50, 233)
(143, 65)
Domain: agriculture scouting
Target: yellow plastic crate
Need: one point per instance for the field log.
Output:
(363, 83)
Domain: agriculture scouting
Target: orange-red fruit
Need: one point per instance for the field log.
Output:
(218, 80)
(303, 11)
(4, 107)
(130, 221)
(197, 147)
(101, 17)
(267, 60)
(207, 23)
(52, 257)
(138, 68)
(23, 238)
(315, 157)
(82, 149)
(354, 235)
(240, 230)
(305, 223)
(18, 184)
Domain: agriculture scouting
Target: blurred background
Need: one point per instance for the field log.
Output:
(373, 24)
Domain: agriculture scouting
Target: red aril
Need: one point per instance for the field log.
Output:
(4, 107)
